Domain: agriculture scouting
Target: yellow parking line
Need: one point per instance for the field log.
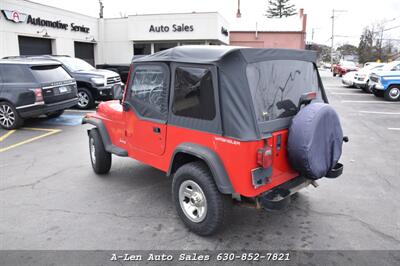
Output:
(49, 132)
(6, 135)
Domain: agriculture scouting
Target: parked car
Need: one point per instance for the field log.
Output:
(344, 67)
(225, 122)
(121, 69)
(361, 77)
(93, 84)
(386, 83)
(348, 79)
(30, 88)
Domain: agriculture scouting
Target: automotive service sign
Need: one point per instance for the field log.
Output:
(18, 17)
(15, 16)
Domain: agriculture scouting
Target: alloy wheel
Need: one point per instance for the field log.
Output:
(193, 201)
(394, 93)
(7, 116)
(92, 151)
(83, 99)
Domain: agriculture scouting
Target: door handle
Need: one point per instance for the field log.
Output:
(156, 130)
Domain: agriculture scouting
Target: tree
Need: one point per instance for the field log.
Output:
(347, 49)
(280, 8)
(366, 47)
(323, 51)
(375, 44)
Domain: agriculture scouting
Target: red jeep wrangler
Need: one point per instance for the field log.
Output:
(249, 124)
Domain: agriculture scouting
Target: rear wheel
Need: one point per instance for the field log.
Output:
(9, 117)
(99, 157)
(197, 200)
(85, 99)
(55, 114)
(392, 93)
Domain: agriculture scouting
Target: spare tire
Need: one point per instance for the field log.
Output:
(315, 140)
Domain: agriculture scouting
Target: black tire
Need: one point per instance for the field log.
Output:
(9, 117)
(85, 99)
(55, 114)
(334, 74)
(392, 93)
(213, 217)
(366, 87)
(377, 93)
(99, 157)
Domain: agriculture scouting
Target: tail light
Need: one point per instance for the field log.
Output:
(38, 95)
(264, 157)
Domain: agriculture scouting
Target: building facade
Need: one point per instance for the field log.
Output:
(28, 28)
(270, 33)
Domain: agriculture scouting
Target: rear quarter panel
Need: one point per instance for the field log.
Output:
(238, 157)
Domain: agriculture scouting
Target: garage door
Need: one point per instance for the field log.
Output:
(34, 46)
(85, 51)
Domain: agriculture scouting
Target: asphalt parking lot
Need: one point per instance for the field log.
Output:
(51, 199)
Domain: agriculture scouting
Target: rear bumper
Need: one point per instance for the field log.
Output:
(347, 82)
(360, 83)
(35, 110)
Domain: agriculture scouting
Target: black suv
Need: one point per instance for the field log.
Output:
(30, 88)
(93, 84)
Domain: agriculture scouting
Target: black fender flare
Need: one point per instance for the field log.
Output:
(108, 146)
(212, 160)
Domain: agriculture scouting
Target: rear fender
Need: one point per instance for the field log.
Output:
(210, 158)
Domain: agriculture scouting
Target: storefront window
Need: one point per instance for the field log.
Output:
(163, 46)
(141, 48)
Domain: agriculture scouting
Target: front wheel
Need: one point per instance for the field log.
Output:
(85, 99)
(377, 93)
(99, 157)
(392, 93)
(9, 117)
(197, 200)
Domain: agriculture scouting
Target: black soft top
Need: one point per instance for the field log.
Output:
(206, 54)
(239, 104)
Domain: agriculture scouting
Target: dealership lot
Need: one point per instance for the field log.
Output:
(51, 199)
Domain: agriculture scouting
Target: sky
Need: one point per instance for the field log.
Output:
(356, 15)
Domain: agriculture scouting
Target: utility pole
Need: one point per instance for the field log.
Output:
(238, 14)
(333, 31)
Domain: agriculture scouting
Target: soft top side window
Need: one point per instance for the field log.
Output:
(194, 93)
(148, 92)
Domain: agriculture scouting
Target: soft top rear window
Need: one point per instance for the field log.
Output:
(50, 73)
(277, 85)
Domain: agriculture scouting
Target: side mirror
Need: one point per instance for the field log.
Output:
(117, 92)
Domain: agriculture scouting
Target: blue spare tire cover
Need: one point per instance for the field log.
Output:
(315, 140)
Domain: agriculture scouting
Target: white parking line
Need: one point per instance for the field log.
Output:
(347, 101)
(379, 113)
(341, 89)
(394, 128)
(351, 93)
